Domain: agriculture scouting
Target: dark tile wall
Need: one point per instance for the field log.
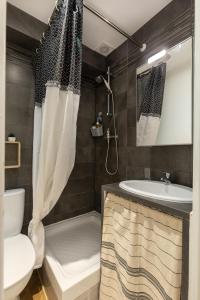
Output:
(19, 120)
(132, 160)
(78, 196)
(173, 24)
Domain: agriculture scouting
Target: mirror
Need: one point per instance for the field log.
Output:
(164, 97)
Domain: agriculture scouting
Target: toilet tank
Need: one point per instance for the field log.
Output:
(13, 211)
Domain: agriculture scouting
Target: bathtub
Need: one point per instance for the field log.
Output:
(71, 269)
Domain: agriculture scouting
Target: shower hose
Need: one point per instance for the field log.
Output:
(109, 172)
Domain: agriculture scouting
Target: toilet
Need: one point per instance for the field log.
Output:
(19, 255)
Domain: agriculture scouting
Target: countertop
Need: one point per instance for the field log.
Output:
(180, 210)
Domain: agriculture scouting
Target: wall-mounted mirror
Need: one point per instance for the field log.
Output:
(164, 97)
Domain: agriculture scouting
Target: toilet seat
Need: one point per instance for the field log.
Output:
(19, 259)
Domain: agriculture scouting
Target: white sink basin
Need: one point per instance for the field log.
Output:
(158, 190)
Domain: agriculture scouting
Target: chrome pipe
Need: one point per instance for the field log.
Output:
(100, 16)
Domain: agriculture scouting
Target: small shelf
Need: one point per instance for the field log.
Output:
(12, 155)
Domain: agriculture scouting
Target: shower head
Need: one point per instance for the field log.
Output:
(100, 79)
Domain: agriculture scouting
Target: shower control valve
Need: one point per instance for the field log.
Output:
(109, 136)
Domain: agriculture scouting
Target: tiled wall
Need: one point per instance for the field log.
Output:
(132, 160)
(78, 196)
(89, 173)
(170, 26)
(19, 120)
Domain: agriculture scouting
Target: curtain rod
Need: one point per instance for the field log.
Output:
(100, 16)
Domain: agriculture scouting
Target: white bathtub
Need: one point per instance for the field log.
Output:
(72, 261)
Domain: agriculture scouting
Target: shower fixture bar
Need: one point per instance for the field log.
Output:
(100, 16)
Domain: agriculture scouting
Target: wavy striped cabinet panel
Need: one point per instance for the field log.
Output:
(141, 254)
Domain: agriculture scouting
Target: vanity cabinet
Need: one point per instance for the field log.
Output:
(146, 243)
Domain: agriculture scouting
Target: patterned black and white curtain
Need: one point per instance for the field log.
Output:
(57, 93)
(150, 87)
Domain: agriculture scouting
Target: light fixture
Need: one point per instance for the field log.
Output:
(157, 56)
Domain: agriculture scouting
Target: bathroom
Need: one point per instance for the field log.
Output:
(87, 169)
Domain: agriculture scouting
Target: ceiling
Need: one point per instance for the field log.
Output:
(129, 15)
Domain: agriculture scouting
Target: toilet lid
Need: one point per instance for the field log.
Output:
(19, 259)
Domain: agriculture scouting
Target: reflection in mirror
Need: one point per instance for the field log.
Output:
(164, 97)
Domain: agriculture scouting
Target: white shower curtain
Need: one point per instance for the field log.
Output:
(147, 130)
(57, 67)
(53, 157)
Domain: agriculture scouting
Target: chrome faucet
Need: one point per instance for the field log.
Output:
(166, 177)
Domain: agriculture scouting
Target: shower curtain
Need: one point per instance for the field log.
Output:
(150, 88)
(57, 91)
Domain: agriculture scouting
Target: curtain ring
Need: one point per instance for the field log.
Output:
(77, 9)
(49, 22)
(43, 38)
(57, 6)
(36, 50)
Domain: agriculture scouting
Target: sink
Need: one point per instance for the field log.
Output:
(158, 190)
